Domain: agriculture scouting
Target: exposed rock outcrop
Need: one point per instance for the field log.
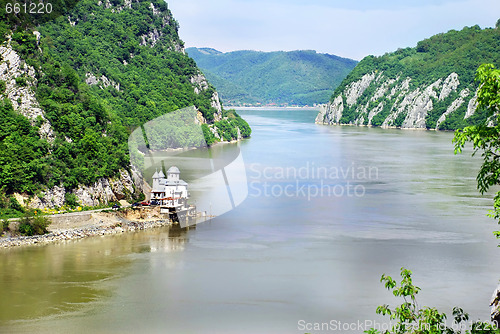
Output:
(50, 198)
(108, 190)
(375, 99)
(20, 80)
(151, 38)
(471, 107)
(215, 103)
(419, 106)
(495, 306)
(331, 112)
(103, 82)
(355, 89)
(450, 85)
(454, 106)
(99, 192)
(200, 84)
(104, 191)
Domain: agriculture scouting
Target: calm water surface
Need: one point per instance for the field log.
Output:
(329, 210)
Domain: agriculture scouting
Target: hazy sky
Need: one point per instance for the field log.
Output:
(350, 29)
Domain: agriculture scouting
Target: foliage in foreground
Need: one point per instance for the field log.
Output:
(485, 136)
(410, 318)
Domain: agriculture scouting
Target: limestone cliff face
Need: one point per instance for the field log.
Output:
(21, 83)
(378, 100)
(495, 305)
(104, 191)
(19, 80)
(126, 185)
(152, 36)
(200, 84)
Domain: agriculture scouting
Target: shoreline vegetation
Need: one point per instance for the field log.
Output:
(66, 227)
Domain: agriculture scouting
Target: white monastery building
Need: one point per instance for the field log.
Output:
(171, 192)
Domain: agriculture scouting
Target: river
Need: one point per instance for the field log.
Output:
(328, 211)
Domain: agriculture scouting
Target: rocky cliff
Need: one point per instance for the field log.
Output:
(73, 89)
(392, 103)
(125, 185)
(430, 86)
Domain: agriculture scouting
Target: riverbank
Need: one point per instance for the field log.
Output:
(91, 225)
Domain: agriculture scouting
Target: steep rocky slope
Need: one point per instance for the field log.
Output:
(430, 86)
(72, 90)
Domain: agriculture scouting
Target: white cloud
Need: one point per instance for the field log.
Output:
(335, 27)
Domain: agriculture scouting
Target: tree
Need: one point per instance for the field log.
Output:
(485, 136)
(410, 318)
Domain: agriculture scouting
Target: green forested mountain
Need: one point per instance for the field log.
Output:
(74, 87)
(289, 78)
(428, 86)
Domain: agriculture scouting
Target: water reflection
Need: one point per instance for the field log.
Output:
(175, 241)
(69, 277)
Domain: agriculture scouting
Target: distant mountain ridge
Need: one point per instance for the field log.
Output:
(430, 86)
(248, 77)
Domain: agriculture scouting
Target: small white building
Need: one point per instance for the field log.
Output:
(171, 193)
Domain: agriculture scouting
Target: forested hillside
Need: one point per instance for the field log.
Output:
(428, 86)
(74, 87)
(283, 78)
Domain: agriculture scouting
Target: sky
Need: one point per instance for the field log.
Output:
(351, 29)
